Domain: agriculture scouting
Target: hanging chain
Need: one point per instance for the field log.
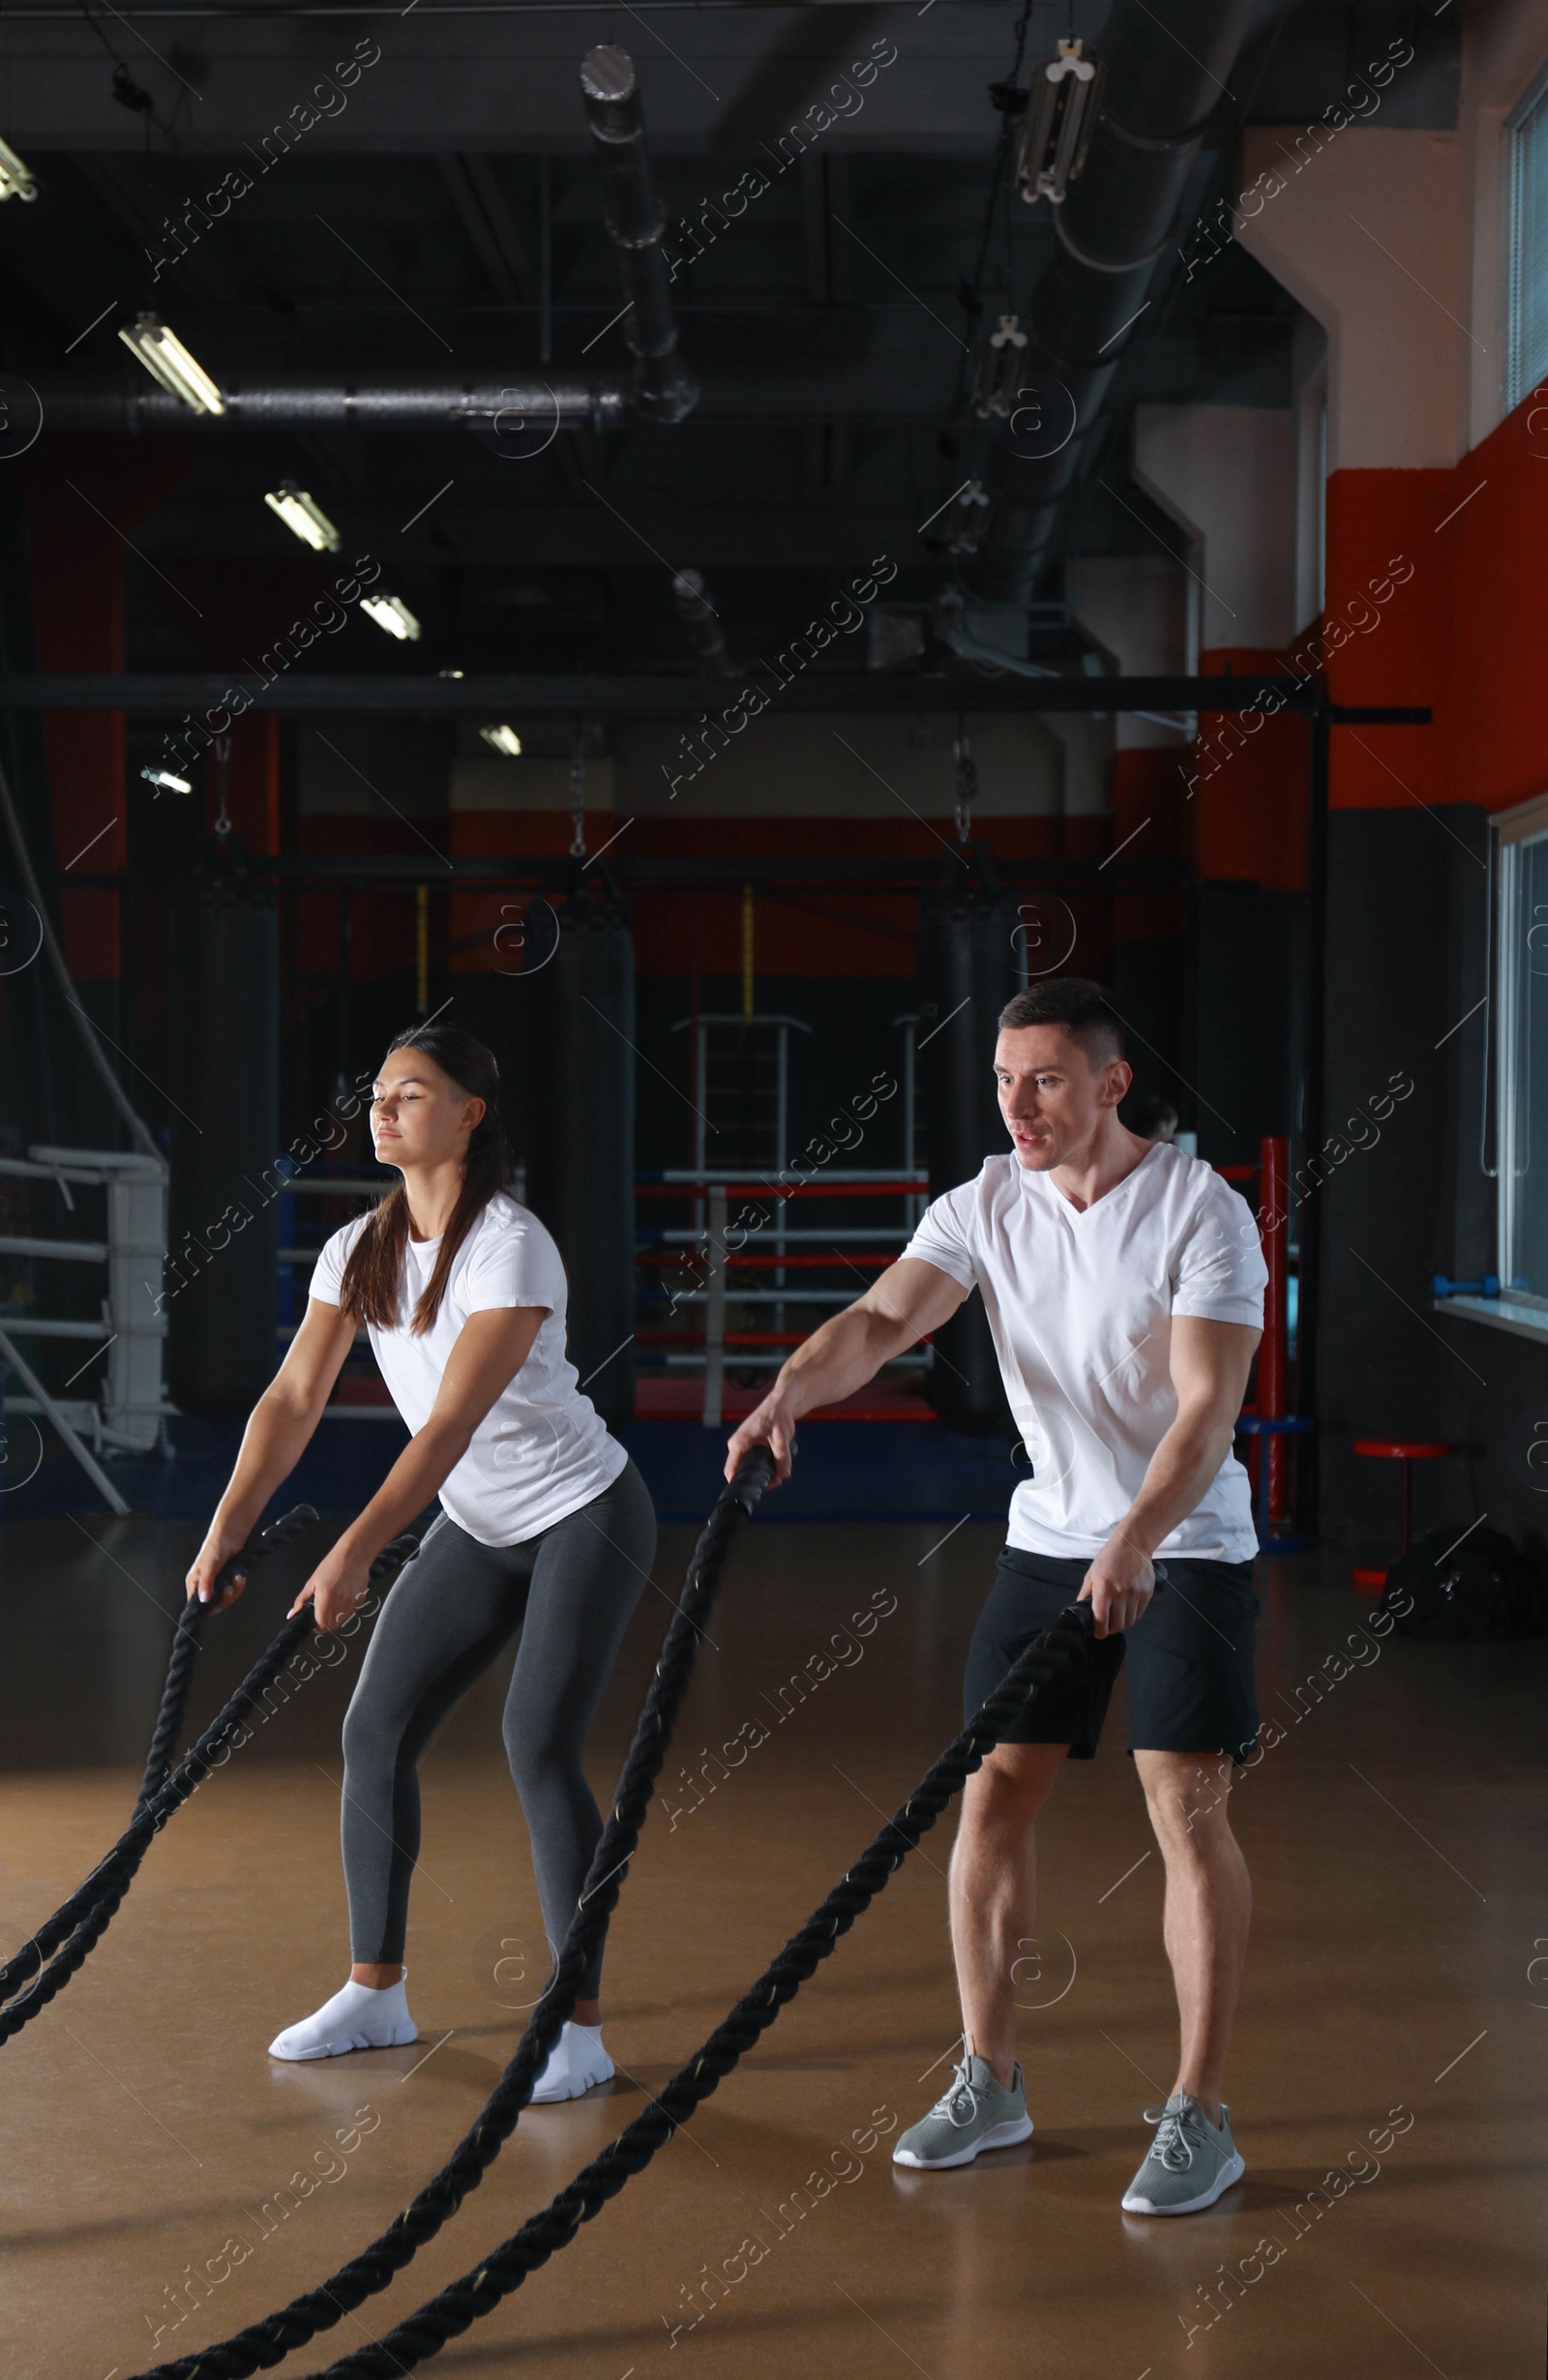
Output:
(222, 756)
(966, 781)
(578, 794)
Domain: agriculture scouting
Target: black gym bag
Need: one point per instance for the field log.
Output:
(1460, 1587)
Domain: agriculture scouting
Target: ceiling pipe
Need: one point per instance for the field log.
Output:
(610, 91)
(520, 411)
(1161, 84)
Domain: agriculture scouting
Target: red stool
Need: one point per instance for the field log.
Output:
(1408, 1451)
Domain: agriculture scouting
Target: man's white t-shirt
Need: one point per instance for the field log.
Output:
(542, 1450)
(1080, 1303)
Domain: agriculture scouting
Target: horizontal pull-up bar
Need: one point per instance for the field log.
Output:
(671, 697)
(656, 872)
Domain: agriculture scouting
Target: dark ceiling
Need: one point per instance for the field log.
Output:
(446, 218)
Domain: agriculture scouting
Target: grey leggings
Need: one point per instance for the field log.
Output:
(570, 1590)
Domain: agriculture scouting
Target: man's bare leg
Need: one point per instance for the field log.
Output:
(1208, 1907)
(993, 1892)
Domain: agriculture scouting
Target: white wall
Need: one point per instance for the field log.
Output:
(1367, 234)
(1227, 475)
(1138, 607)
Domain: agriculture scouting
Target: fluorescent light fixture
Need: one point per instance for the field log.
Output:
(390, 611)
(503, 739)
(167, 359)
(15, 182)
(304, 516)
(165, 781)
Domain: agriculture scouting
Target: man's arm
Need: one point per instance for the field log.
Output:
(901, 1305)
(1209, 1366)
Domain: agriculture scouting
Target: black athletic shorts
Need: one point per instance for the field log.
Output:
(1189, 1656)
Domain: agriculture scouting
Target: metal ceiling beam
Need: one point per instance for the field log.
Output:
(672, 697)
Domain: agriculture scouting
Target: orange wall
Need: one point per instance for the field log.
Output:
(1464, 633)
(1249, 804)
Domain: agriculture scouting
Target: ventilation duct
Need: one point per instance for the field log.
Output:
(1161, 82)
(520, 410)
(665, 386)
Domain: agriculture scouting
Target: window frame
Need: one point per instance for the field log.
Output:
(1520, 378)
(1515, 831)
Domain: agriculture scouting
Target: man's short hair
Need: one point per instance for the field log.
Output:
(1081, 1006)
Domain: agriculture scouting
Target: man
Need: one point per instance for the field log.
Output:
(1123, 1282)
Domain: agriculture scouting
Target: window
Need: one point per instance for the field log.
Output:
(1520, 1049)
(1527, 131)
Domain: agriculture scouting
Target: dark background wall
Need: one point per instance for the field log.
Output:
(1406, 958)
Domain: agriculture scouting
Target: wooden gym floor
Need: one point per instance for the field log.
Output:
(165, 2182)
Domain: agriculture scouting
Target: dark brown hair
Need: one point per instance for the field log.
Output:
(1081, 1007)
(375, 1271)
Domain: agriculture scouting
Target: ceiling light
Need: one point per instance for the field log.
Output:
(15, 182)
(1060, 115)
(503, 739)
(391, 612)
(164, 356)
(165, 781)
(304, 516)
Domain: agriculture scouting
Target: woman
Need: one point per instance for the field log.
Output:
(544, 1526)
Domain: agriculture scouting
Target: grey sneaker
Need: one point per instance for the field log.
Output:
(973, 2113)
(1189, 2164)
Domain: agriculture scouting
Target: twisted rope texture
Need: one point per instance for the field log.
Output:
(79, 1923)
(268, 2341)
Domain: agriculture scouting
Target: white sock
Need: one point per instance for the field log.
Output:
(576, 2062)
(357, 2017)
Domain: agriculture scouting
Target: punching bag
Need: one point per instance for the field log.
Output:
(222, 1230)
(969, 965)
(575, 1008)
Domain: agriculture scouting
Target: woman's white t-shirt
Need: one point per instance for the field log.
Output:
(542, 1450)
(1080, 1303)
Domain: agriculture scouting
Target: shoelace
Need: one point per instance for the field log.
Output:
(959, 2094)
(1172, 2143)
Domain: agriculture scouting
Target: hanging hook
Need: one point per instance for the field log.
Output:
(577, 794)
(966, 779)
(223, 754)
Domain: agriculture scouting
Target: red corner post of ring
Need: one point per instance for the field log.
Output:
(1268, 1419)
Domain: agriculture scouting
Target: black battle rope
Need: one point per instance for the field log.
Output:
(269, 2340)
(185, 1652)
(455, 2309)
(79, 1923)
(458, 2306)
(164, 1742)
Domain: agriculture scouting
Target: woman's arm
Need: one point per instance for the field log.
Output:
(273, 1443)
(489, 1350)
